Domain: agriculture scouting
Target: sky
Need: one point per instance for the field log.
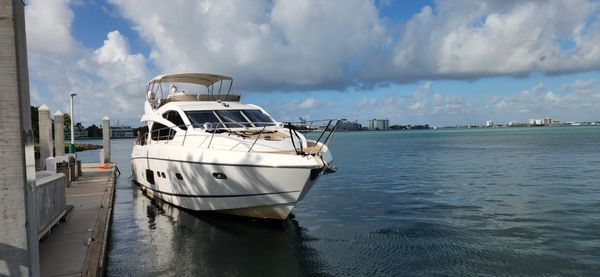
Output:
(442, 63)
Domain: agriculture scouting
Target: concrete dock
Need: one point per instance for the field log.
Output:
(78, 245)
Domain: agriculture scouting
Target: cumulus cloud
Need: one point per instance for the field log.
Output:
(264, 44)
(49, 27)
(422, 104)
(308, 103)
(327, 45)
(474, 39)
(114, 63)
(283, 45)
(305, 108)
(425, 104)
(580, 84)
(571, 102)
(108, 80)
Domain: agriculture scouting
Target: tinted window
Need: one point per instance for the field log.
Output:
(198, 118)
(161, 132)
(233, 118)
(174, 117)
(258, 118)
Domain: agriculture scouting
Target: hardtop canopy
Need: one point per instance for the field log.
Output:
(205, 79)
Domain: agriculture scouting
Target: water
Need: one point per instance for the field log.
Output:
(520, 201)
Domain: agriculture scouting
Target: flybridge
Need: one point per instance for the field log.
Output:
(189, 87)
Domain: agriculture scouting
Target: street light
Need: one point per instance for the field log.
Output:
(72, 146)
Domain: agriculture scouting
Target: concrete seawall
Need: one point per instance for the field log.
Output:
(77, 246)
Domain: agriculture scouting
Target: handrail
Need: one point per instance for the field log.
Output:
(326, 141)
(328, 124)
(159, 135)
(258, 136)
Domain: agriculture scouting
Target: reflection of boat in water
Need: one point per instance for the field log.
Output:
(176, 243)
(206, 151)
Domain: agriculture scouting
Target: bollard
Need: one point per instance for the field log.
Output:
(51, 164)
(59, 134)
(63, 168)
(72, 168)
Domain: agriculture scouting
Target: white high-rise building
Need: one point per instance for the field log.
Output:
(379, 124)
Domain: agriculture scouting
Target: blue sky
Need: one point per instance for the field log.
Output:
(410, 61)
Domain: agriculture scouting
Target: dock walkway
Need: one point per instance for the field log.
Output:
(77, 246)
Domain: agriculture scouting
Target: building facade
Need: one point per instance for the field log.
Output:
(379, 124)
(121, 132)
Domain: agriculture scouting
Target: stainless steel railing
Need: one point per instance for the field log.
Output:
(246, 129)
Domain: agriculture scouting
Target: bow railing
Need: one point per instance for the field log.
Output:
(245, 130)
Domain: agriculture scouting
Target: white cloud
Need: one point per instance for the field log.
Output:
(335, 44)
(264, 44)
(304, 45)
(494, 38)
(114, 63)
(570, 103)
(308, 103)
(420, 106)
(109, 80)
(49, 27)
(581, 84)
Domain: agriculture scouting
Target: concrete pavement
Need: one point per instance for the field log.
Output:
(77, 247)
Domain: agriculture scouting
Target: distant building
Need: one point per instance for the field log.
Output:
(542, 122)
(349, 126)
(379, 124)
(536, 122)
(120, 131)
(516, 123)
(489, 123)
(80, 133)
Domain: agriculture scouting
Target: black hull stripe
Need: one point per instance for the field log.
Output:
(214, 196)
(224, 164)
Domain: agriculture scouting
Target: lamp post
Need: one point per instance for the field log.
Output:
(72, 145)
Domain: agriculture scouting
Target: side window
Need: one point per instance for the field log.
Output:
(161, 132)
(174, 117)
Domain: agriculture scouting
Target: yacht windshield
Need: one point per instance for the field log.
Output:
(258, 118)
(230, 118)
(198, 118)
(233, 118)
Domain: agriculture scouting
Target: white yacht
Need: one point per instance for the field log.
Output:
(206, 151)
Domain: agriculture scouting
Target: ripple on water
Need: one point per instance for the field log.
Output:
(451, 203)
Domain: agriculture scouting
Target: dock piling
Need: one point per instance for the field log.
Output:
(59, 134)
(45, 134)
(106, 138)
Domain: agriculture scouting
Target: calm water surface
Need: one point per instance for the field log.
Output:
(520, 201)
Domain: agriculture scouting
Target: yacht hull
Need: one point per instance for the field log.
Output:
(253, 185)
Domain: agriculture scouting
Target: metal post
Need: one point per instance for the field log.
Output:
(45, 133)
(72, 146)
(19, 244)
(59, 134)
(106, 138)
